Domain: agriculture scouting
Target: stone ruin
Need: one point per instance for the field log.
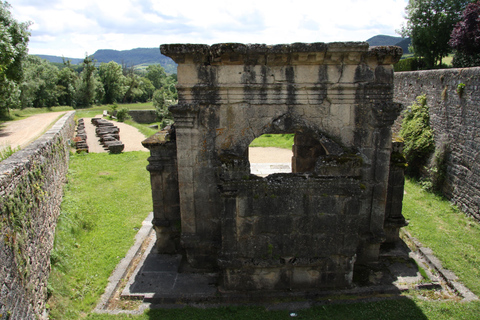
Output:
(108, 134)
(81, 137)
(309, 229)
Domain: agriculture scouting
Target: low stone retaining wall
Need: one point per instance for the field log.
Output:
(143, 116)
(455, 118)
(31, 187)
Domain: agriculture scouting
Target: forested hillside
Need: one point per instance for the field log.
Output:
(133, 57)
(382, 40)
(136, 57)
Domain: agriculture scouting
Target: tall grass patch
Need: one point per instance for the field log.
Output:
(105, 201)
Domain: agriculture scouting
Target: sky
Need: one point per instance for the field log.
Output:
(74, 28)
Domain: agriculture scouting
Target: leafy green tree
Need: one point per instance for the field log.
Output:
(14, 38)
(67, 78)
(139, 89)
(162, 99)
(113, 81)
(430, 23)
(87, 87)
(39, 85)
(156, 74)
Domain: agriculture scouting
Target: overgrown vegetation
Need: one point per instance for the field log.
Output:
(6, 152)
(417, 136)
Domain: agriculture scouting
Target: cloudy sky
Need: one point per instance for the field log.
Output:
(72, 28)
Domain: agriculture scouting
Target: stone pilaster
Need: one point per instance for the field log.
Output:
(164, 183)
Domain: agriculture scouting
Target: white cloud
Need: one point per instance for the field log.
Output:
(71, 28)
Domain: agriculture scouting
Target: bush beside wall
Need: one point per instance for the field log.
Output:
(31, 187)
(453, 97)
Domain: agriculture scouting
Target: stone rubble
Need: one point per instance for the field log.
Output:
(109, 135)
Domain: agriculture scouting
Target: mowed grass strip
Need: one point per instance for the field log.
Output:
(105, 201)
(453, 237)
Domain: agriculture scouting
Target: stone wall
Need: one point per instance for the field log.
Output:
(299, 230)
(31, 183)
(143, 116)
(456, 122)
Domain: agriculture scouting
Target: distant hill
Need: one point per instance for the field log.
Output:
(405, 43)
(133, 57)
(383, 40)
(56, 59)
(136, 57)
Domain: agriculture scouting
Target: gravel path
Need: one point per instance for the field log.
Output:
(20, 133)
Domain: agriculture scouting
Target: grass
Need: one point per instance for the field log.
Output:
(284, 141)
(143, 128)
(96, 229)
(454, 238)
(7, 152)
(106, 199)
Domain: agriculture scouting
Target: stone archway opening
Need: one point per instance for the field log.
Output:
(271, 153)
(284, 153)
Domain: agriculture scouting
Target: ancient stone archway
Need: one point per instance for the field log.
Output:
(306, 229)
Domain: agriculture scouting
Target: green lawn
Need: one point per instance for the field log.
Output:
(284, 141)
(108, 196)
(105, 201)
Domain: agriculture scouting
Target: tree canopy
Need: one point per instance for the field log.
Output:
(430, 23)
(465, 37)
(14, 38)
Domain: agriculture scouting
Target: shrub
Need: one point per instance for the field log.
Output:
(418, 136)
(409, 64)
(122, 114)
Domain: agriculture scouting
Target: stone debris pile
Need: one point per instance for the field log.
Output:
(81, 137)
(109, 135)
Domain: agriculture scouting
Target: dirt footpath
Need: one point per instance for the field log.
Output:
(20, 133)
(269, 155)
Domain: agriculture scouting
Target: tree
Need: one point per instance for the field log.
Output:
(39, 85)
(430, 23)
(156, 74)
(113, 81)
(13, 49)
(87, 87)
(67, 78)
(465, 38)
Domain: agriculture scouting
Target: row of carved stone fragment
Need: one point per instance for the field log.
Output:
(81, 137)
(109, 135)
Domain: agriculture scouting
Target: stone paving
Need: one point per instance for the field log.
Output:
(155, 281)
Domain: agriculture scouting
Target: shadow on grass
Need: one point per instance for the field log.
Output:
(401, 308)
